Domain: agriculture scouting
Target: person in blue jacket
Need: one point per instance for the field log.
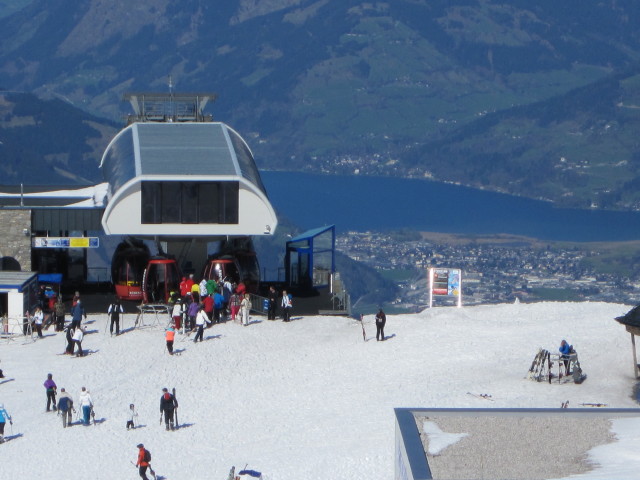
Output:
(4, 416)
(77, 313)
(565, 354)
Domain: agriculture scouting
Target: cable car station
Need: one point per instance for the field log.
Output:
(172, 177)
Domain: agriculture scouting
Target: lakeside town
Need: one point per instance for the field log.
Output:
(499, 269)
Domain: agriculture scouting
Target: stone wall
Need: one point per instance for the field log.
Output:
(14, 242)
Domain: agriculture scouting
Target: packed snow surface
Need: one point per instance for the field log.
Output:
(307, 399)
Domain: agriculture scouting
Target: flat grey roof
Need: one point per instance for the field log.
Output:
(178, 149)
(499, 443)
(11, 280)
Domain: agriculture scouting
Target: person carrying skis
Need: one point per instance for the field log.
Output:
(381, 319)
(143, 462)
(65, 407)
(168, 404)
(169, 337)
(51, 388)
(201, 320)
(131, 415)
(86, 404)
(4, 416)
(114, 311)
(69, 336)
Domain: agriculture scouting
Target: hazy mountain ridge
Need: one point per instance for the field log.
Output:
(379, 88)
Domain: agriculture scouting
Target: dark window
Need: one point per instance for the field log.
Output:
(171, 202)
(208, 204)
(190, 202)
(151, 202)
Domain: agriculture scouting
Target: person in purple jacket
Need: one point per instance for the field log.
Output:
(192, 312)
(51, 387)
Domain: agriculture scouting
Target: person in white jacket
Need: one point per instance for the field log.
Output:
(201, 320)
(245, 307)
(86, 404)
(38, 320)
(78, 335)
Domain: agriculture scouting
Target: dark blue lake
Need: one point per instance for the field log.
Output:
(381, 203)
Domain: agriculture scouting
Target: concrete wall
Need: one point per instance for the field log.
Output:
(13, 241)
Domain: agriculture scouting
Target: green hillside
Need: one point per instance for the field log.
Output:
(532, 98)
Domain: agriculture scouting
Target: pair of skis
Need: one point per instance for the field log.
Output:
(541, 362)
(484, 396)
(175, 410)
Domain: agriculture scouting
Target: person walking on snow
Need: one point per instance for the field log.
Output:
(201, 320)
(78, 335)
(114, 311)
(169, 337)
(86, 404)
(143, 462)
(51, 388)
(381, 319)
(4, 416)
(131, 415)
(77, 313)
(168, 404)
(65, 407)
(245, 308)
(286, 306)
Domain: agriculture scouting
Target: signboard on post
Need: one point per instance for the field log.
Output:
(445, 282)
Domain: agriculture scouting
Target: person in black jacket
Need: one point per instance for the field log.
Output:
(381, 319)
(168, 404)
(114, 311)
(273, 303)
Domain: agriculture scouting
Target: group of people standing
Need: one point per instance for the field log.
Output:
(285, 301)
(64, 405)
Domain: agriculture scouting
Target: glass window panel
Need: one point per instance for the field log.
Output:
(208, 203)
(189, 201)
(170, 203)
(230, 199)
(150, 210)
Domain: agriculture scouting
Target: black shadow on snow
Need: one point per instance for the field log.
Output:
(7, 380)
(179, 350)
(212, 337)
(388, 337)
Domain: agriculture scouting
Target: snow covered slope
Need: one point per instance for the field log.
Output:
(305, 400)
